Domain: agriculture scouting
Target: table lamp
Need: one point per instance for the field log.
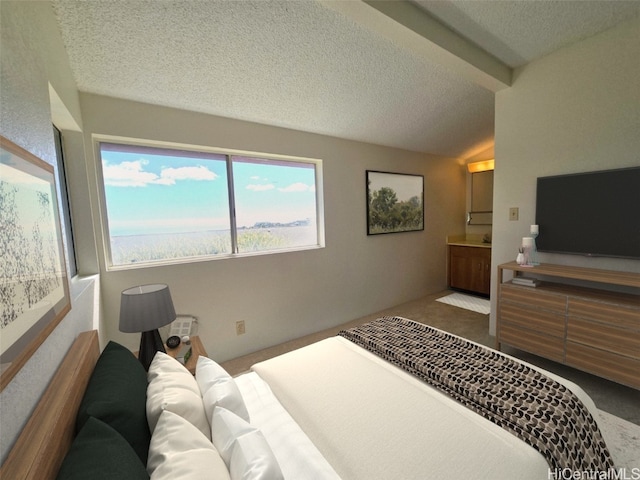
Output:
(146, 308)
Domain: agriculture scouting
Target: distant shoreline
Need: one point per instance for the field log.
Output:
(256, 226)
(127, 249)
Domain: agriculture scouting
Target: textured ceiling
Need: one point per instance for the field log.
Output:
(309, 66)
(518, 32)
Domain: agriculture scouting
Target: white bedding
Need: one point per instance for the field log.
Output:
(371, 420)
(298, 458)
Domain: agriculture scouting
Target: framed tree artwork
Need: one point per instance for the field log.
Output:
(34, 289)
(395, 202)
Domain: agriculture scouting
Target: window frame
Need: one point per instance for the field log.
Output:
(228, 153)
(65, 205)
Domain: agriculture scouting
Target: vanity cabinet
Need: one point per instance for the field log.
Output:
(592, 329)
(470, 268)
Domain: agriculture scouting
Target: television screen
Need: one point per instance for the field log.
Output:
(594, 214)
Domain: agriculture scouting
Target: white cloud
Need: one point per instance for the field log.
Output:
(132, 174)
(169, 176)
(128, 174)
(298, 187)
(260, 188)
(294, 187)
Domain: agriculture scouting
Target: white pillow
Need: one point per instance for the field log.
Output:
(171, 372)
(171, 387)
(178, 450)
(208, 372)
(218, 389)
(243, 448)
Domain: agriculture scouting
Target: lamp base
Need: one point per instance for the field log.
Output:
(150, 343)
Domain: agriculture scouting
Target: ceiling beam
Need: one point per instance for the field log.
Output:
(60, 115)
(411, 27)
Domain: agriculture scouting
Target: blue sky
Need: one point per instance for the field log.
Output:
(161, 194)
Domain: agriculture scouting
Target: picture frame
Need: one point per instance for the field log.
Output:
(34, 287)
(395, 202)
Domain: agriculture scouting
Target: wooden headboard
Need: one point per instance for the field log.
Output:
(45, 440)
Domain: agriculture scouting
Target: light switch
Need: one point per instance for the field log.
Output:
(513, 213)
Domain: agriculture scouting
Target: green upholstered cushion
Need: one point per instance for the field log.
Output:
(117, 394)
(101, 453)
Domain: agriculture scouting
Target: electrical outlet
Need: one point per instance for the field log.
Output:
(514, 213)
(240, 327)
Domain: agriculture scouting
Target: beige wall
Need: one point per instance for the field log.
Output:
(32, 58)
(286, 295)
(575, 110)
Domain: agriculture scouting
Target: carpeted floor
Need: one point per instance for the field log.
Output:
(621, 401)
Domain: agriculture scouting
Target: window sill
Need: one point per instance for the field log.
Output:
(182, 261)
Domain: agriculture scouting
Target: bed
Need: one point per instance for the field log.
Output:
(383, 400)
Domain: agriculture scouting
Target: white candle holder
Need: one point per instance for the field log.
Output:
(533, 250)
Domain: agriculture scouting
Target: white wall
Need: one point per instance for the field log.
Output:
(575, 110)
(286, 295)
(32, 57)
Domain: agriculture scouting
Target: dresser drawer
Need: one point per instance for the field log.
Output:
(621, 315)
(530, 341)
(550, 323)
(592, 328)
(606, 364)
(533, 298)
(603, 336)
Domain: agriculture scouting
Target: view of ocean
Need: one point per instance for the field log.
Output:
(127, 249)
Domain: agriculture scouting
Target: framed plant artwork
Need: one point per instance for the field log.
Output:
(34, 288)
(395, 202)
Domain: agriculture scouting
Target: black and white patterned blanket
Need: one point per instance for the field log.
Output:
(532, 406)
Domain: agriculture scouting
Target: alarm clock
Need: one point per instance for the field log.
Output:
(173, 341)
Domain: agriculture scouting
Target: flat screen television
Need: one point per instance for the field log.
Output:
(592, 214)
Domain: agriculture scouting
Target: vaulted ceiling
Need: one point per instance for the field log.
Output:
(415, 75)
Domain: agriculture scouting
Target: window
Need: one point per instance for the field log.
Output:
(61, 181)
(176, 204)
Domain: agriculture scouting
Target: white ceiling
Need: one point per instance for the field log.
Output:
(386, 73)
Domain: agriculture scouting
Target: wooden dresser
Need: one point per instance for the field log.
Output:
(591, 329)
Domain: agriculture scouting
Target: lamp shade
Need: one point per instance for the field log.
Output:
(146, 307)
